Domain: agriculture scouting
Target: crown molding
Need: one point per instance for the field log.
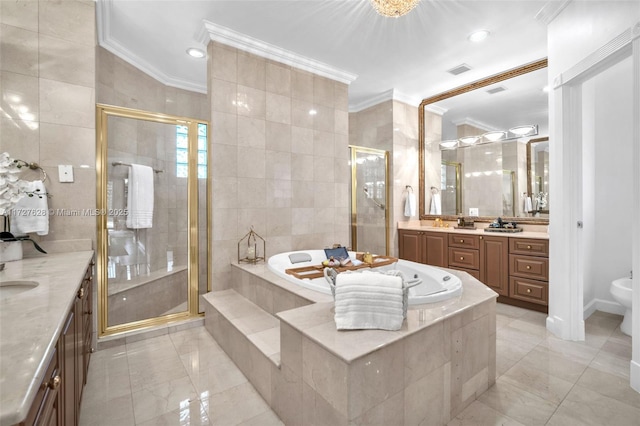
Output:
(435, 109)
(551, 10)
(106, 40)
(475, 123)
(388, 95)
(243, 42)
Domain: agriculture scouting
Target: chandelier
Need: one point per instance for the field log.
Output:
(394, 8)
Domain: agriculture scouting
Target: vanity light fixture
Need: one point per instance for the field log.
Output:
(494, 136)
(521, 131)
(469, 140)
(394, 8)
(545, 89)
(196, 53)
(449, 144)
(478, 36)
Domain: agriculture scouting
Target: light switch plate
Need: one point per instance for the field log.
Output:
(473, 211)
(65, 173)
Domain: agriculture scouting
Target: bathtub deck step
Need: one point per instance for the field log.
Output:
(258, 326)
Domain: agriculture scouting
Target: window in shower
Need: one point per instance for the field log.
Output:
(182, 153)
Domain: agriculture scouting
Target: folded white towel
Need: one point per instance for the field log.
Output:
(368, 300)
(31, 213)
(140, 197)
(410, 205)
(436, 207)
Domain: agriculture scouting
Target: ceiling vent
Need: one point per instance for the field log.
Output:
(459, 69)
(496, 90)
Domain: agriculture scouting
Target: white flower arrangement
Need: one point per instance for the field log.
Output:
(541, 199)
(12, 188)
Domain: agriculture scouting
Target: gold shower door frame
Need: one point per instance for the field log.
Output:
(354, 150)
(103, 112)
(458, 168)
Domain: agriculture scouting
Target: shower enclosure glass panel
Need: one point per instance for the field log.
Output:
(149, 274)
(369, 200)
(450, 189)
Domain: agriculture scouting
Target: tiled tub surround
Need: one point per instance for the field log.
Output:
(30, 324)
(283, 338)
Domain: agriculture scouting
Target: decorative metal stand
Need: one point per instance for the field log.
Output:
(252, 248)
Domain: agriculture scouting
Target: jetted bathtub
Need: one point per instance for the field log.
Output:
(436, 284)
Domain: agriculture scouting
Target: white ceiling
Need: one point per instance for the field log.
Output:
(409, 54)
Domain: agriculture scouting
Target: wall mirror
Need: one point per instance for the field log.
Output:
(484, 149)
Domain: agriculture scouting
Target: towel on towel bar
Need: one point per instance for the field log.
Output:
(140, 197)
(368, 300)
(436, 204)
(410, 205)
(31, 214)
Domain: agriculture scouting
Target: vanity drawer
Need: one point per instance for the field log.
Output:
(464, 241)
(464, 258)
(536, 268)
(529, 290)
(531, 247)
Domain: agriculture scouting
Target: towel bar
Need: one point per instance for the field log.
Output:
(120, 163)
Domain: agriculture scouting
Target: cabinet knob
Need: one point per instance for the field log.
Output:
(461, 257)
(528, 266)
(81, 293)
(54, 383)
(528, 247)
(528, 290)
(462, 241)
(481, 237)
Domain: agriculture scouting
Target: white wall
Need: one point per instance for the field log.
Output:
(579, 30)
(607, 127)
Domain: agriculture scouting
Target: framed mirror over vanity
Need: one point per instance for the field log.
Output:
(484, 153)
(484, 149)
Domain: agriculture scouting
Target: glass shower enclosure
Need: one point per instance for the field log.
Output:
(369, 200)
(152, 232)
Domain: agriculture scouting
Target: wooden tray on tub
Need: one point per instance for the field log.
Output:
(317, 271)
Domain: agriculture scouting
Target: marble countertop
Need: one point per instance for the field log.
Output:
(529, 231)
(317, 321)
(30, 323)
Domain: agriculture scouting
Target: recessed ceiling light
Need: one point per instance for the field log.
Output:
(478, 36)
(195, 53)
(312, 112)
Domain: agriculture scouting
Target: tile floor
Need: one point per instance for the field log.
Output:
(184, 378)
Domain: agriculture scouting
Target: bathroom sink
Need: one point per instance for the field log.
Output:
(11, 288)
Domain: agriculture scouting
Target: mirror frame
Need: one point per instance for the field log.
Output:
(529, 181)
(515, 72)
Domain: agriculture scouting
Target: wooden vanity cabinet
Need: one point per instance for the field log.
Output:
(58, 399)
(515, 268)
(46, 407)
(423, 247)
(529, 272)
(494, 263)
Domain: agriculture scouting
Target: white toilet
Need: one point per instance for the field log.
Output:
(621, 292)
